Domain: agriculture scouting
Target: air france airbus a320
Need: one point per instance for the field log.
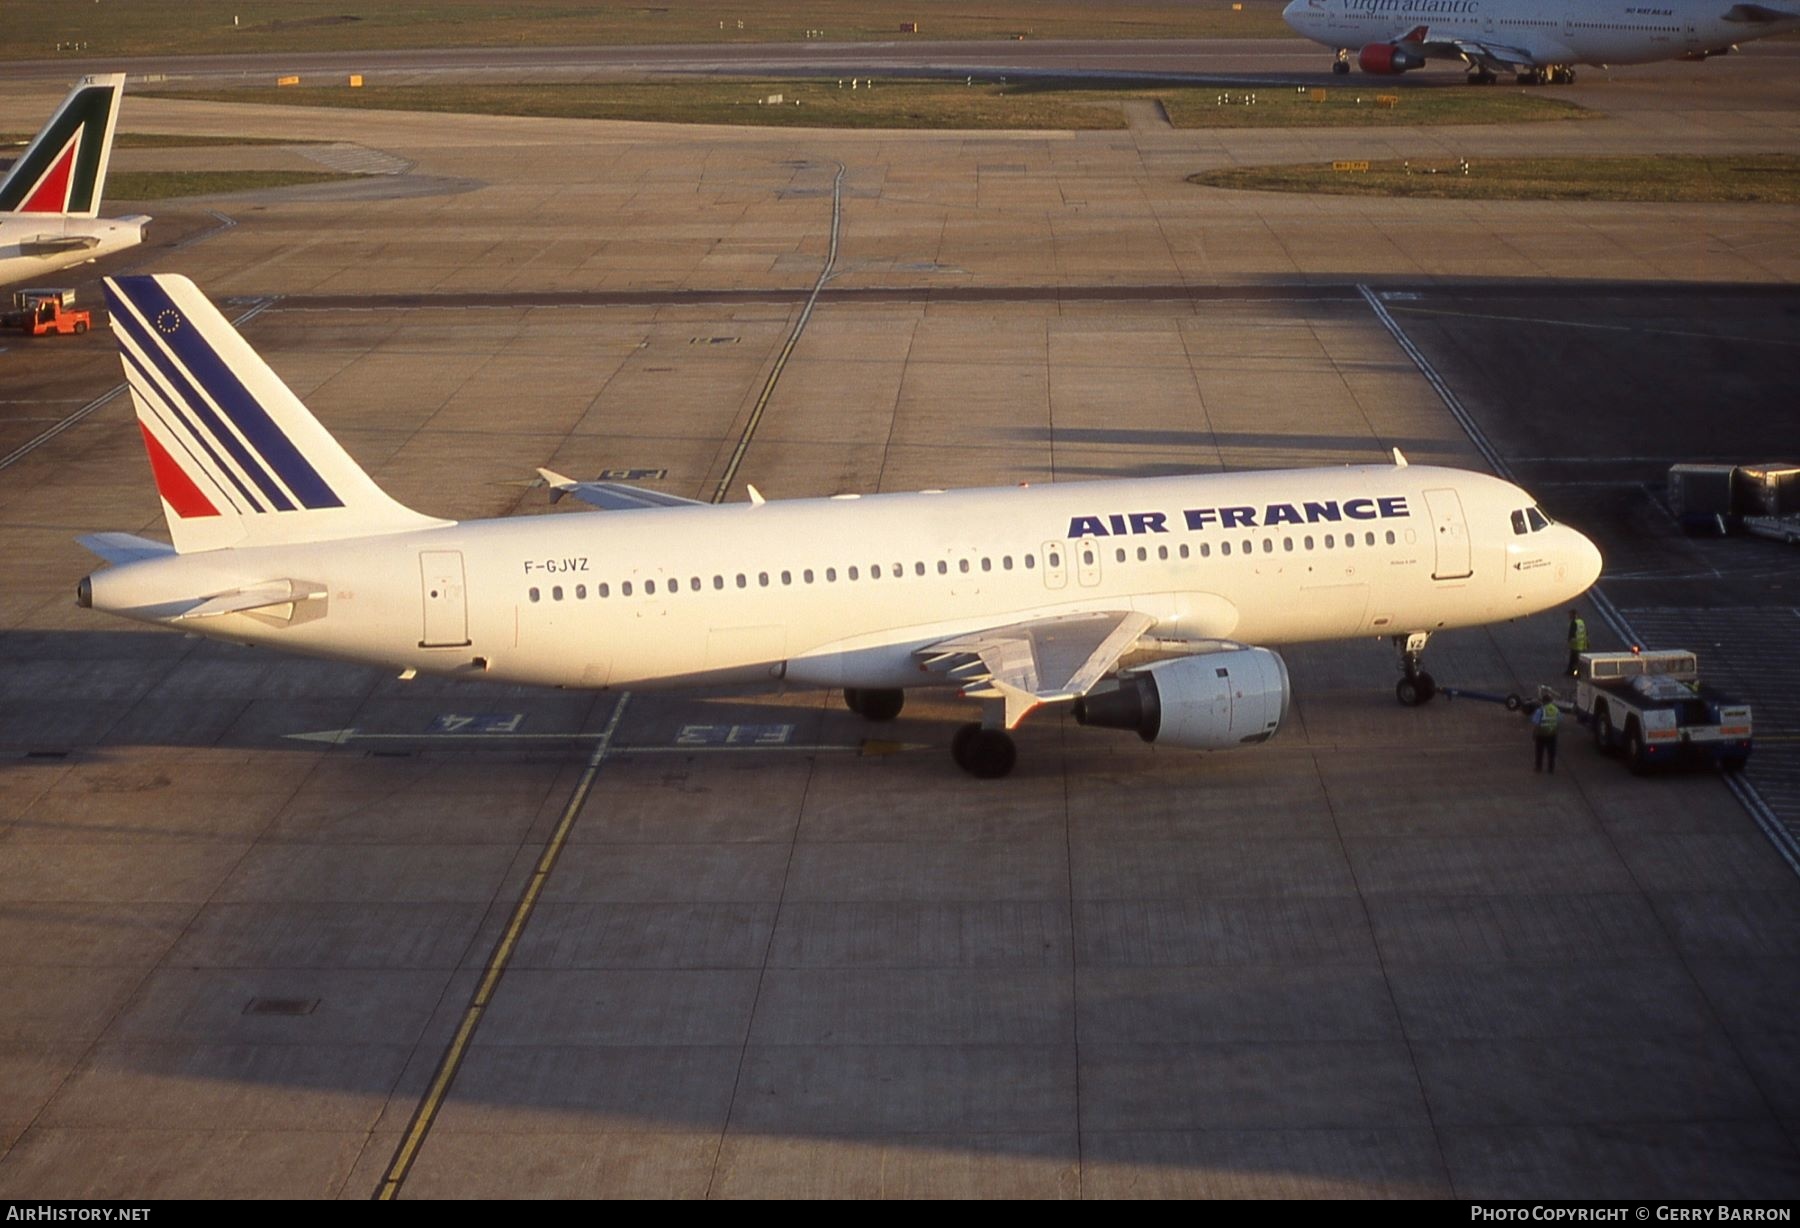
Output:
(1143, 604)
(1540, 41)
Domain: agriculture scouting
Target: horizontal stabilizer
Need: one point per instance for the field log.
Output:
(612, 496)
(258, 597)
(123, 547)
(55, 245)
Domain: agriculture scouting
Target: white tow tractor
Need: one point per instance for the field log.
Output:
(1651, 707)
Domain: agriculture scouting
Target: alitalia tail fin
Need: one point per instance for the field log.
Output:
(238, 460)
(63, 170)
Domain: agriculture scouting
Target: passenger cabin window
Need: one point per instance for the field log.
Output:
(918, 569)
(1031, 562)
(807, 575)
(962, 565)
(743, 581)
(581, 592)
(718, 581)
(851, 573)
(625, 589)
(1184, 550)
(1390, 537)
(987, 564)
(649, 587)
(943, 568)
(1224, 547)
(831, 575)
(556, 593)
(1119, 555)
(603, 590)
(534, 595)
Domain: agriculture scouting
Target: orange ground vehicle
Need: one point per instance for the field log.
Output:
(37, 312)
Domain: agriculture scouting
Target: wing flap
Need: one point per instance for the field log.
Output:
(1494, 55)
(1046, 660)
(612, 496)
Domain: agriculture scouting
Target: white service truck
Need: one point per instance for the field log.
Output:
(1651, 707)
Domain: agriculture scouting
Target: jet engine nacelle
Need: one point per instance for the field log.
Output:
(1387, 59)
(1209, 702)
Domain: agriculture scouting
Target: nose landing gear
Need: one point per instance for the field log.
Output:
(1415, 686)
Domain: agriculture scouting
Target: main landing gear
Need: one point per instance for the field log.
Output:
(875, 704)
(1415, 686)
(1555, 74)
(986, 754)
(1479, 76)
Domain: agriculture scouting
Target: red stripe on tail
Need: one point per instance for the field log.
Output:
(52, 193)
(173, 483)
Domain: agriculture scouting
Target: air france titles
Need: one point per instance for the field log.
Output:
(1268, 516)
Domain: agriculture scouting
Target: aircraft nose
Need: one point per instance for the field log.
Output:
(1585, 562)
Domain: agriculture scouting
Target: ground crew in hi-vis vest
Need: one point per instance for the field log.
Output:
(1544, 722)
(1578, 642)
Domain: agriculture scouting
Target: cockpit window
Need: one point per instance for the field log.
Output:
(1537, 518)
(1518, 522)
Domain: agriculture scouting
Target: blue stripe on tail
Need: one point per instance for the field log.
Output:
(175, 334)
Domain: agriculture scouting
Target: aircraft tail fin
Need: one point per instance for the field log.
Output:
(238, 459)
(63, 170)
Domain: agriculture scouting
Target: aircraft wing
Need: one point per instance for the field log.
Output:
(1491, 55)
(1046, 660)
(612, 496)
(1758, 14)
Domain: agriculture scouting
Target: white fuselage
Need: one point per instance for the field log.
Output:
(841, 592)
(32, 244)
(1561, 32)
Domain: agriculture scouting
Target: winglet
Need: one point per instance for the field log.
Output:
(558, 484)
(1399, 459)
